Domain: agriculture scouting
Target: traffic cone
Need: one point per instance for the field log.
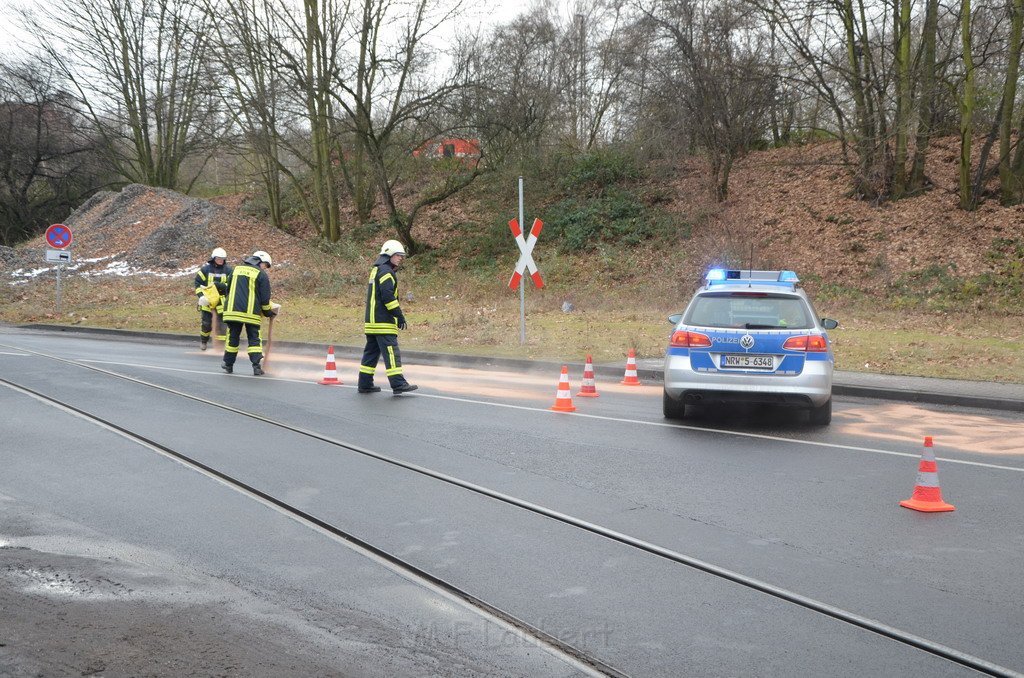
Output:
(927, 494)
(631, 379)
(589, 388)
(563, 399)
(330, 370)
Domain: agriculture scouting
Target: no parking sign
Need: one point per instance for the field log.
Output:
(58, 236)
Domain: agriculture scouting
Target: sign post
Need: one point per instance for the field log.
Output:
(525, 261)
(522, 288)
(58, 237)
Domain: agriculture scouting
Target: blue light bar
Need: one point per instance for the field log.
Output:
(719, 276)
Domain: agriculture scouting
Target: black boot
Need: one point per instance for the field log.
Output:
(404, 388)
(369, 389)
(227, 368)
(256, 370)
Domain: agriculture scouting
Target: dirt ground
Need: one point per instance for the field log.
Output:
(77, 603)
(73, 615)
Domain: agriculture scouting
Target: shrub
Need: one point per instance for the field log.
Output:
(599, 170)
(617, 217)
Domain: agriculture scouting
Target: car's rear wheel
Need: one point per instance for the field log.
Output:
(673, 409)
(822, 416)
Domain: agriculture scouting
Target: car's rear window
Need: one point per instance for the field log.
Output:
(749, 311)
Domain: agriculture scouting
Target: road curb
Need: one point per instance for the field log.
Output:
(607, 371)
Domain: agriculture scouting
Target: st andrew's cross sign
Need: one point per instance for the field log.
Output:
(526, 253)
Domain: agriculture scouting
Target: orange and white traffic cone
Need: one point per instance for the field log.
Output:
(927, 494)
(631, 379)
(589, 387)
(330, 370)
(563, 399)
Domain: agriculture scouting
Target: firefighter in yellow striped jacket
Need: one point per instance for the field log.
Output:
(382, 321)
(214, 272)
(248, 300)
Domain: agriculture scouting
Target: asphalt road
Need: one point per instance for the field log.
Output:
(807, 510)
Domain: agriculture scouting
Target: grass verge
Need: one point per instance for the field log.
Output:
(480, 318)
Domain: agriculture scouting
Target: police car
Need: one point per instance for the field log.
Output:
(750, 336)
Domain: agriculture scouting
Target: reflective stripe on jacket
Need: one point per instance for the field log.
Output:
(382, 310)
(210, 272)
(248, 293)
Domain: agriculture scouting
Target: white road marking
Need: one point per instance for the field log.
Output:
(408, 576)
(639, 422)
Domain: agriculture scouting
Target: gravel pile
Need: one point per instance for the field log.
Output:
(142, 230)
(151, 228)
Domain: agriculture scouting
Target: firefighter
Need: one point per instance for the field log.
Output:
(215, 273)
(382, 321)
(248, 299)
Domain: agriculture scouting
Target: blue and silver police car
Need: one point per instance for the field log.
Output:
(750, 336)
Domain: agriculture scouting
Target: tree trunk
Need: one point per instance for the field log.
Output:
(864, 133)
(926, 97)
(968, 200)
(903, 97)
(722, 190)
(318, 108)
(1011, 186)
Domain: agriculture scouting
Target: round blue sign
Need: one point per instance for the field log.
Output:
(58, 236)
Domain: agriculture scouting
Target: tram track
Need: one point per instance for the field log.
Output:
(584, 663)
(877, 627)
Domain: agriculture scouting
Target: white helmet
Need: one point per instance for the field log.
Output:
(264, 257)
(219, 253)
(392, 247)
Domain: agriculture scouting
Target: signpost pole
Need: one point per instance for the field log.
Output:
(60, 267)
(59, 237)
(522, 283)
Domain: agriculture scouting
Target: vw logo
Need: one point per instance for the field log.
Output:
(746, 342)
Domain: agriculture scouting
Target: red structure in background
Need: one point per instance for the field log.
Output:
(449, 148)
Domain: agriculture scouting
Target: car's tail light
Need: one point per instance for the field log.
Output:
(683, 339)
(811, 343)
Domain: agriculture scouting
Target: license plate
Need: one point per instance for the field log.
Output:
(749, 362)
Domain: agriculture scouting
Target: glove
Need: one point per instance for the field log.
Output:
(204, 303)
(274, 310)
(401, 322)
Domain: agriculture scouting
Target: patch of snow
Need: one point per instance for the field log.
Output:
(123, 269)
(31, 274)
(118, 268)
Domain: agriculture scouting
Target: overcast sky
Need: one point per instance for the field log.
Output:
(14, 41)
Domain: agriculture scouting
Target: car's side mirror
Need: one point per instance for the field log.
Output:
(675, 318)
(829, 324)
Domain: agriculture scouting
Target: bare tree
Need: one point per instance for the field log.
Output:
(313, 54)
(139, 69)
(519, 92)
(927, 96)
(46, 166)
(615, 45)
(394, 106)
(715, 70)
(247, 53)
(1011, 170)
(968, 199)
(904, 94)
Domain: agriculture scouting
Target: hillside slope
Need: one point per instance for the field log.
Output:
(792, 206)
(788, 208)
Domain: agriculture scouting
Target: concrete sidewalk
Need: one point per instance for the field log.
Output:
(980, 394)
